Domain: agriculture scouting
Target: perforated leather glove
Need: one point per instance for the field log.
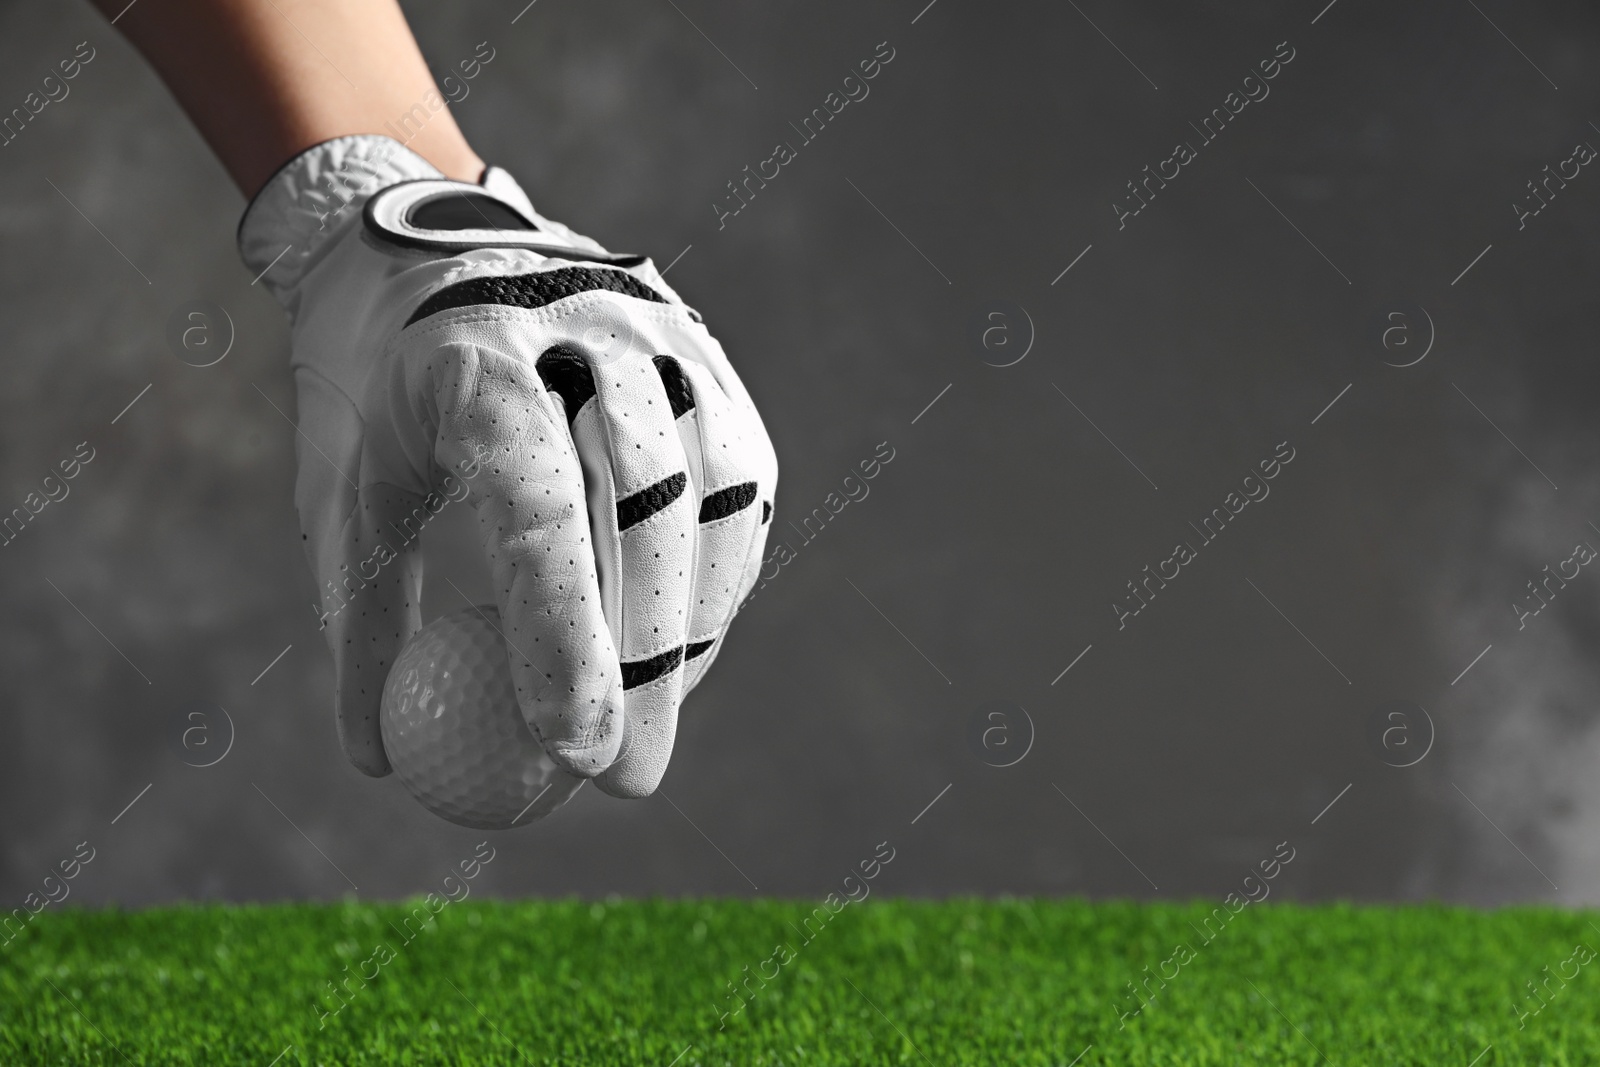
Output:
(450, 344)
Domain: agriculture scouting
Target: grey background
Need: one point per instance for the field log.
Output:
(1175, 753)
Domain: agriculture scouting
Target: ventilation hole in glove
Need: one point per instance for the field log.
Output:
(679, 395)
(566, 373)
(725, 502)
(699, 648)
(632, 510)
(644, 671)
(534, 290)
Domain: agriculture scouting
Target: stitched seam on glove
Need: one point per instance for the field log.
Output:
(651, 653)
(726, 520)
(637, 509)
(653, 519)
(651, 669)
(757, 543)
(665, 314)
(533, 290)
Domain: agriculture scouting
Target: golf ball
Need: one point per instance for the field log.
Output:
(454, 733)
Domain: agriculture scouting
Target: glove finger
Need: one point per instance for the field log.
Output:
(650, 545)
(747, 584)
(756, 445)
(728, 518)
(368, 579)
(381, 579)
(527, 487)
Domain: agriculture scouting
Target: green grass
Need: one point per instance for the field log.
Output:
(884, 982)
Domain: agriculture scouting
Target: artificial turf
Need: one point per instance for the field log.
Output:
(879, 982)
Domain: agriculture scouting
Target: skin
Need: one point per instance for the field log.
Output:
(263, 80)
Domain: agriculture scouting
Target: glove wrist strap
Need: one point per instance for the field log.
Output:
(448, 217)
(313, 197)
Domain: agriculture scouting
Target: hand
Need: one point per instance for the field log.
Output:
(450, 344)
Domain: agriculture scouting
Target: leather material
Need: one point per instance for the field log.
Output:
(313, 199)
(443, 216)
(586, 416)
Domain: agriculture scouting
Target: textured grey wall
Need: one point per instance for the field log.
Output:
(1198, 335)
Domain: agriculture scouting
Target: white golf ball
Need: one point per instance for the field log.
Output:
(455, 735)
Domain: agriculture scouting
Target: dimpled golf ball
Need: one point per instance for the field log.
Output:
(454, 732)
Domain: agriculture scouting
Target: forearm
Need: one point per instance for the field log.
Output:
(265, 79)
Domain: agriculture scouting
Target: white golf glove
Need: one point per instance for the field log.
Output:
(451, 344)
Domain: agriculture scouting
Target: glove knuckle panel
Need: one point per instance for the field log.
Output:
(719, 505)
(680, 395)
(565, 373)
(647, 502)
(533, 290)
